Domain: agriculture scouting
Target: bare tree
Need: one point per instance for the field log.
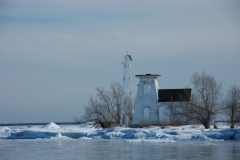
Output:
(107, 107)
(128, 107)
(231, 105)
(205, 98)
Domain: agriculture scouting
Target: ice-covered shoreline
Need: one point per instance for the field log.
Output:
(52, 130)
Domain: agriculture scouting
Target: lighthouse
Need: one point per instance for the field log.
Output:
(146, 100)
(154, 106)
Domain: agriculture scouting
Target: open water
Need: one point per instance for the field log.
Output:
(39, 149)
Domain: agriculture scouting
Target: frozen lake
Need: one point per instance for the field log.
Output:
(116, 149)
(52, 141)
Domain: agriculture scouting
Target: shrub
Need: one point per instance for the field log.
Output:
(144, 123)
(164, 124)
(176, 123)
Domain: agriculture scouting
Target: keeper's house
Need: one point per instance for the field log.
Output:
(151, 101)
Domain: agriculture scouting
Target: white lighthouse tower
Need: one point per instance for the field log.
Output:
(146, 103)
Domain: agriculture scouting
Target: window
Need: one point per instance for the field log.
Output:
(146, 112)
(146, 89)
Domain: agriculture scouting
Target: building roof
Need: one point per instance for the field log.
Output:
(174, 95)
(148, 75)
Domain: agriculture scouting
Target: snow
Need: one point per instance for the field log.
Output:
(51, 125)
(150, 134)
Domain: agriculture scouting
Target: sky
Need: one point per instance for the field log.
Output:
(53, 54)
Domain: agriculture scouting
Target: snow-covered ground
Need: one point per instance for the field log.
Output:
(53, 131)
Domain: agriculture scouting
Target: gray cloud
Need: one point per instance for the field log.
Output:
(54, 53)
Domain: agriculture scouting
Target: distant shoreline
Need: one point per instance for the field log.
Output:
(68, 123)
(35, 124)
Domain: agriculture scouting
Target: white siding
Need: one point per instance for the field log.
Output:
(163, 114)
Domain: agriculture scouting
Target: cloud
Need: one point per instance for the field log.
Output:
(56, 52)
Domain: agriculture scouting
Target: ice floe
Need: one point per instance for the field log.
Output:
(87, 132)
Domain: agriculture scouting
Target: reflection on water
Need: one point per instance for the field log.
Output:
(117, 149)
